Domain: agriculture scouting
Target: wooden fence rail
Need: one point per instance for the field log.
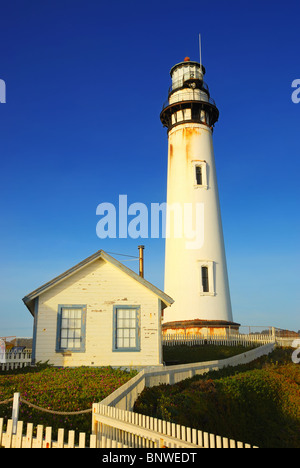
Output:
(120, 428)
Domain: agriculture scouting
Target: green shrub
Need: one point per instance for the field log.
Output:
(64, 389)
(257, 403)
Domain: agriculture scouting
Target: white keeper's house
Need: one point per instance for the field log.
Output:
(98, 313)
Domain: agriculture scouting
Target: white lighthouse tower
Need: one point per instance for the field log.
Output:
(195, 265)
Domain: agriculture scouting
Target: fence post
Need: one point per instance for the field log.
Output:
(273, 334)
(96, 428)
(15, 412)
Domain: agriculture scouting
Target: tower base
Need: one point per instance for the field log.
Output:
(206, 328)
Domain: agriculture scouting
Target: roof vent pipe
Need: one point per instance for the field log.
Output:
(141, 260)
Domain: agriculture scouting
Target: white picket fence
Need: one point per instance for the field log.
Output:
(116, 428)
(42, 439)
(12, 360)
(231, 340)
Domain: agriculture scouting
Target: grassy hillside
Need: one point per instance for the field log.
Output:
(258, 403)
(60, 390)
(184, 354)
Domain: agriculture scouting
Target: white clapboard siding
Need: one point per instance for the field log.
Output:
(99, 286)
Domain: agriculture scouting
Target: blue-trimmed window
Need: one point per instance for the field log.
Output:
(71, 328)
(126, 328)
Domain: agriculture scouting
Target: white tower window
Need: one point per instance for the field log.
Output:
(205, 281)
(206, 273)
(200, 174)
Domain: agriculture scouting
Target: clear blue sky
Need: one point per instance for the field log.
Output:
(85, 84)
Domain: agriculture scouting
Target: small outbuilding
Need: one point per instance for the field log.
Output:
(98, 313)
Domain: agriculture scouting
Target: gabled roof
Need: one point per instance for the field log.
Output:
(100, 254)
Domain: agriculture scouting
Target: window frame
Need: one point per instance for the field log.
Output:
(137, 347)
(211, 283)
(203, 166)
(59, 348)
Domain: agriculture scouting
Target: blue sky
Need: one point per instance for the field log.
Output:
(86, 81)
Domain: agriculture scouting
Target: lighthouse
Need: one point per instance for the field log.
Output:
(195, 265)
